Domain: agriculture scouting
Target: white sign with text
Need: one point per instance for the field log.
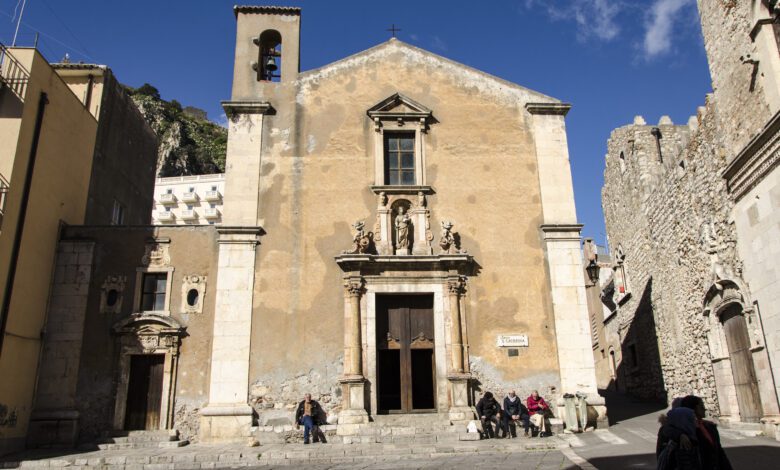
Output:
(512, 341)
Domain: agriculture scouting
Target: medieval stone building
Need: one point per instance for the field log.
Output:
(691, 213)
(399, 235)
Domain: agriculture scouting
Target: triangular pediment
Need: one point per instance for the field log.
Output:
(399, 104)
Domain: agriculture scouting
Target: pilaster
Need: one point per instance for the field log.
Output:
(353, 381)
(228, 416)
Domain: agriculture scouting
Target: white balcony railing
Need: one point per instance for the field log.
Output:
(189, 214)
(166, 216)
(212, 196)
(168, 198)
(190, 197)
(212, 213)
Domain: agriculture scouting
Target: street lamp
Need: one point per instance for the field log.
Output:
(593, 271)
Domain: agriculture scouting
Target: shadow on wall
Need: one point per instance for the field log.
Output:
(639, 375)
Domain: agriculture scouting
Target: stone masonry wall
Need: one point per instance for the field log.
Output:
(668, 270)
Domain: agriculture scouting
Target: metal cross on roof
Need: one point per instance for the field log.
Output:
(393, 29)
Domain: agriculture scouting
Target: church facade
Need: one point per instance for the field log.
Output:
(398, 236)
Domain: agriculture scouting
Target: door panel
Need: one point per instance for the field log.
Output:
(405, 358)
(144, 392)
(742, 368)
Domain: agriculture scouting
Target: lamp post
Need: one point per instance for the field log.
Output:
(593, 271)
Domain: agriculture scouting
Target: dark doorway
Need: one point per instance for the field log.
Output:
(144, 392)
(405, 354)
(742, 369)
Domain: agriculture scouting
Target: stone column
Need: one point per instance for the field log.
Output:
(228, 416)
(458, 377)
(353, 412)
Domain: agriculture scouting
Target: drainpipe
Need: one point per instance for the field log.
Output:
(88, 98)
(19, 230)
(657, 134)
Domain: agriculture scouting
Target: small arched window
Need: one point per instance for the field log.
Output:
(622, 162)
(270, 56)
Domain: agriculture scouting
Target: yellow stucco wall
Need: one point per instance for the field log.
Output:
(58, 193)
(317, 164)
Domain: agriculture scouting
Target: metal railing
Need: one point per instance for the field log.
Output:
(4, 187)
(12, 73)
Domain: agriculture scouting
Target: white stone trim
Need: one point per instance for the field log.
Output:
(139, 276)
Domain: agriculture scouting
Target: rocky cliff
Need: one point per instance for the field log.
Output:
(190, 144)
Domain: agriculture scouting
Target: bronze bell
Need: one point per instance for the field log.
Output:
(270, 64)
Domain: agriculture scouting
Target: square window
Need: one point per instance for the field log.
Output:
(118, 213)
(167, 209)
(189, 207)
(213, 188)
(153, 291)
(213, 206)
(399, 158)
(192, 189)
(169, 191)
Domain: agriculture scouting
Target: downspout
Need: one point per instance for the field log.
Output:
(19, 230)
(90, 85)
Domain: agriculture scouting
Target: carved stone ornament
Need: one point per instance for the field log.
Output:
(144, 333)
(193, 290)
(112, 293)
(402, 224)
(156, 254)
(457, 286)
(362, 241)
(353, 288)
(450, 240)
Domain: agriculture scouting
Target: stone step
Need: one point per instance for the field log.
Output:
(142, 445)
(156, 433)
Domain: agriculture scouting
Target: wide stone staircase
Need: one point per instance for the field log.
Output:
(133, 440)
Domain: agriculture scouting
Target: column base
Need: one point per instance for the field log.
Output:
(354, 414)
(225, 423)
(459, 397)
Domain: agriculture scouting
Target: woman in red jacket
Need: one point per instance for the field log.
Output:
(538, 410)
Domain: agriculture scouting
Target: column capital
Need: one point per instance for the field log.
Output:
(353, 287)
(456, 285)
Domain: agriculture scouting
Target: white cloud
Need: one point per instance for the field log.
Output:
(660, 27)
(594, 18)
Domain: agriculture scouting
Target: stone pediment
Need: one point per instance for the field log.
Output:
(148, 323)
(393, 49)
(398, 105)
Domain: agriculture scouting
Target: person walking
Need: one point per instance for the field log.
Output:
(309, 414)
(489, 411)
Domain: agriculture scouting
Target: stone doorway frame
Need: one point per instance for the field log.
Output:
(142, 334)
(367, 275)
(722, 295)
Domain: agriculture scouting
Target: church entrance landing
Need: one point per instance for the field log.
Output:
(405, 354)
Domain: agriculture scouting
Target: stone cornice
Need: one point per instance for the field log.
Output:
(760, 156)
(443, 264)
(239, 235)
(561, 109)
(246, 107)
(402, 189)
(561, 231)
(266, 9)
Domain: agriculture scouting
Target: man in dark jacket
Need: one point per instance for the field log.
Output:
(489, 411)
(514, 411)
(309, 414)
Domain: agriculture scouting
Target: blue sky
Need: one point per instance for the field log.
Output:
(612, 59)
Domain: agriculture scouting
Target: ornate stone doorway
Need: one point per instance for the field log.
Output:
(742, 369)
(405, 362)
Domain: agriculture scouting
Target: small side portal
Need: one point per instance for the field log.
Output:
(144, 394)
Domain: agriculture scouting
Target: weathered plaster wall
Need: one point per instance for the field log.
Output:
(317, 164)
(118, 252)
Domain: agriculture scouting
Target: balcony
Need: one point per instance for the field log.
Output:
(212, 213)
(168, 198)
(190, 197)
(13, 74)
(166, 216)
(189, 214)
(213, 196)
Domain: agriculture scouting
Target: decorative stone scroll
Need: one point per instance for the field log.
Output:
(156, 253)
(450, 241)
(362, 241)
(193, 290)
(112, 294)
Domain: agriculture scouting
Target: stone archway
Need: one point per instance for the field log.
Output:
(735, 339)
(142, 335)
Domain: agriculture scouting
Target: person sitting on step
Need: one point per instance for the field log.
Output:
(538, 409)
(489, 411)
(309, 414)
(514, 412)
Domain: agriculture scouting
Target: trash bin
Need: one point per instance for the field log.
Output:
(570, 412)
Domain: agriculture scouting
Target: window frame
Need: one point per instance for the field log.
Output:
(399, 168)
(139, 289)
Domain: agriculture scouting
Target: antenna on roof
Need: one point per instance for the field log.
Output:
(18, 22)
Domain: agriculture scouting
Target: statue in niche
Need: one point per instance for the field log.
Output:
(450, 241)
(402, 223)
(362, 241)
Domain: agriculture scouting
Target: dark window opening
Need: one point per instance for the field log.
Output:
(112, 297)
(192, 297)
(399, 159)
(153, 293)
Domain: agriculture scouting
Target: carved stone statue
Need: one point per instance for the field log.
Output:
(420, 199)
(362, 241)
(450, 241)
(712, 244)
(402, 222)
(381, 199)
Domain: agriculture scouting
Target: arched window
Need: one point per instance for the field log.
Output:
(622, 162)
(269, 65)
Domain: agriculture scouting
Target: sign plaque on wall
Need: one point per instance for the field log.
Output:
(512, 341)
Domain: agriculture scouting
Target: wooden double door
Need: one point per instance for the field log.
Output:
(406, 368)
(742, 369)
(144, 392)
